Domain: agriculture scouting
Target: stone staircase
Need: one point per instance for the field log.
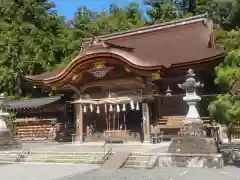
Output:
(230, 146)
(137, 160)
(97, 158)
(9, 157)
(66, 157)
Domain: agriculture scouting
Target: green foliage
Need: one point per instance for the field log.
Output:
(229, 70)
(225, 110)
(32, 41)
(160, 11)
(89, 23)
(229, 39)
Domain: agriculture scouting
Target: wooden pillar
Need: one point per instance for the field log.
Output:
(79, 123)
(146, 126)
(145, 114)
(159, 114)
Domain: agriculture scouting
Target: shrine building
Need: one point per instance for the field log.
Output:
(120, 84)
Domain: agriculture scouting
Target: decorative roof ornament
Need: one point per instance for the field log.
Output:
(99, 70)
(156, 76)
(97, 42)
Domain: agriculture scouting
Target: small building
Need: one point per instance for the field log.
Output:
(35, 117)
(117, 82)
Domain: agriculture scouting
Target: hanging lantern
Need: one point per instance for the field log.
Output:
(124, 107)
(91, 107)
(84, 108)
(132, 105)
(118, 108)
(137, 107)
(98, 110)
(105, 107)
(110, 108)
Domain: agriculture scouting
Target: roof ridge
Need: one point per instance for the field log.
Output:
(152, 27)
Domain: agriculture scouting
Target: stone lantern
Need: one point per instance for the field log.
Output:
(191, 98)
(3, 115)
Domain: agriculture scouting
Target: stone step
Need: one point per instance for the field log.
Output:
(64, 153)
(59, 157)
(229, 146)
(137, 160)
(53, 157)
(62, 157)
(74, 161)
(135, 166)
(136, 163)
(8, 157)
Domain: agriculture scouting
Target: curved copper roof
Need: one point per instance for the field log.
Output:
(167, 45)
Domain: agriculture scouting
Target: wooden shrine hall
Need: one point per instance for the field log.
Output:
(118, 82)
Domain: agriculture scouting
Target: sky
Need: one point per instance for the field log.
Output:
(68, 7)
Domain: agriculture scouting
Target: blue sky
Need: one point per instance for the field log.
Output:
(68, 7)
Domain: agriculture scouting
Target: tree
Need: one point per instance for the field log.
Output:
(226, 108)
(90, 23)
(31, 42)
(160, 10)
(225, 12)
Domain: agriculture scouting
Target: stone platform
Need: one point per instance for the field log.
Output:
(190, 160)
